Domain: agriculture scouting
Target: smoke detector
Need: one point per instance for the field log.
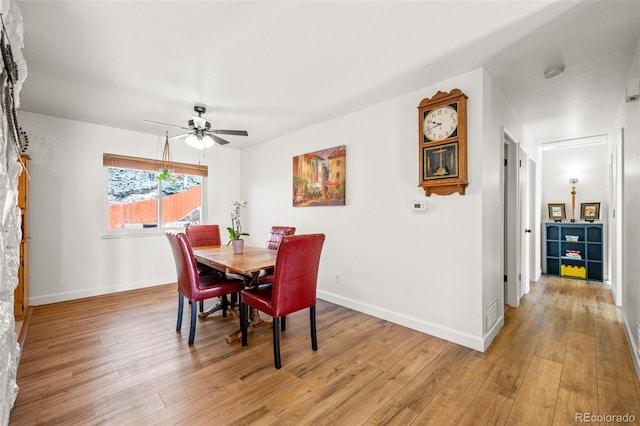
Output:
(554, 72)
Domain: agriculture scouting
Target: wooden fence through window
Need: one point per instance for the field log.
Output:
(174, 208)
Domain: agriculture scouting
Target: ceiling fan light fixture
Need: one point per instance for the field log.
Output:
(207, 141)
(197, 135)
(192, 141)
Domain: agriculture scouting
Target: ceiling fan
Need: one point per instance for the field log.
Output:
(200, 135)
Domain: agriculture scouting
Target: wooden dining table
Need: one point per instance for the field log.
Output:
(247, 265)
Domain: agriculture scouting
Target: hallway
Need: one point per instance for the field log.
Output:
(567, 347)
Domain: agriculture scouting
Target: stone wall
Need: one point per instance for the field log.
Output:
(9, 222)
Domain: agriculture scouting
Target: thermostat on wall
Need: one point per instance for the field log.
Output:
(419, 206)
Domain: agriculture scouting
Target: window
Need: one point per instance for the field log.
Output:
(140, 195)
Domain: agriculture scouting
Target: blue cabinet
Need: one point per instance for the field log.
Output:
(574, 250)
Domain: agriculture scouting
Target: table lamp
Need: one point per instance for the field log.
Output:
(573, 181)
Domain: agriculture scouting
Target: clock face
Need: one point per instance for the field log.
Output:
(440, 123)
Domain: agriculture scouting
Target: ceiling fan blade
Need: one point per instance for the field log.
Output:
(180, 136)
(165, 124)
(230, 132)
(219, 140)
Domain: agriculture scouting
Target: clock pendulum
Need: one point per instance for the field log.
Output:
(440, 171)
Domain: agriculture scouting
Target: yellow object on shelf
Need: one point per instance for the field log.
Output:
(573, 271)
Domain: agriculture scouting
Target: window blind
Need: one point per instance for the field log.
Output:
(127, 162)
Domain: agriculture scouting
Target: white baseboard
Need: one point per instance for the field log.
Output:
(488, 338)
(632, 344)
(96, 291)
(537, 275)
(446, 333)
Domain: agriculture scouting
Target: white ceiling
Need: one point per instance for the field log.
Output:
(274, 67)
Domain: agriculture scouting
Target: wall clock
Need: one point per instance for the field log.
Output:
(442, 143)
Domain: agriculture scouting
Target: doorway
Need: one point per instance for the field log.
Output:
(534, 229)
(512, 246)
(616, 236)
(519, 214)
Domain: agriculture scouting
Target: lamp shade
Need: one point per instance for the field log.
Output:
(191, 140)
(194, 142)
(207, 141)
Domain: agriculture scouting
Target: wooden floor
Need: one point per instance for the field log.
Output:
(117, 360)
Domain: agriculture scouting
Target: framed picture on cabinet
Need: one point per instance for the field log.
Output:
(589, 211)
(557, 212)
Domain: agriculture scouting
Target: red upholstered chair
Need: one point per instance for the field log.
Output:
(293, 288)
(276, 234)
(273, 242)
(204, 235)
(193, 286)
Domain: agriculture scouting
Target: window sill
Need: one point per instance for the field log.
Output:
(137, 232)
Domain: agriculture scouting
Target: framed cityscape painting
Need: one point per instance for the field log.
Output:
(319, 177)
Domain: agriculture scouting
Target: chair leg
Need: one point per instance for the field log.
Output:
(312, 321)
(244, 322)
(180, 310)
(225, 304)
(202, 306)
(276, 342)
(194, 320)
(283, 323)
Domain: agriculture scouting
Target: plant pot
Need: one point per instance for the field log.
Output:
(238, 246)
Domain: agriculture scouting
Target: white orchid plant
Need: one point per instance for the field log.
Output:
(235, 230)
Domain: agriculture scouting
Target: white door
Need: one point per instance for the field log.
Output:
(534, 229)
(512, 240)
(616, 219)
(524, 226)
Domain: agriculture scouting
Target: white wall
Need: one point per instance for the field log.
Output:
(589, 164)
(629, 119)
(69, 256)
(498, 118)
(425, 271)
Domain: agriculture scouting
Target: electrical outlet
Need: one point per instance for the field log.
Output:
(336, 277)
